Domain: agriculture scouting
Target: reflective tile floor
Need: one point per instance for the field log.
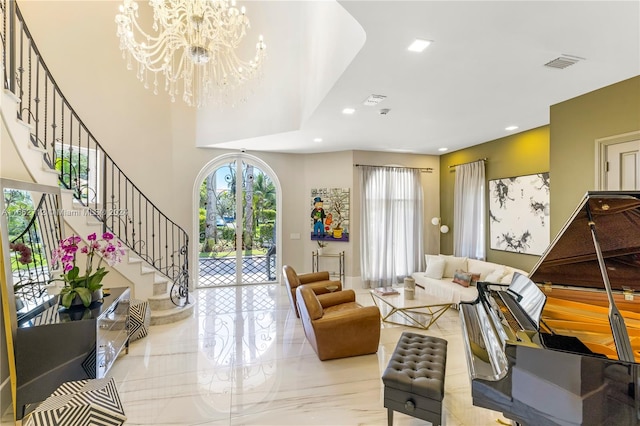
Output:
(242, 359)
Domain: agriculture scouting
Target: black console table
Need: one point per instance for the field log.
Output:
(61, 345)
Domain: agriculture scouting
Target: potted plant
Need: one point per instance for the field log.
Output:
(85, 288)
(25, 258)
(339, 201)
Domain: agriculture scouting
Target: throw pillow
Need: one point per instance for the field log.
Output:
(453, 263)
(495, 276)
(428, 258)
(481, 267)
(461, 277)
(474, 278)
(507, 278)
(435, 268)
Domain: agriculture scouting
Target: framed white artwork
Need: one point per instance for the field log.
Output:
(519, 213)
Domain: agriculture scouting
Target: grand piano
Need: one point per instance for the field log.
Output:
(562, 346)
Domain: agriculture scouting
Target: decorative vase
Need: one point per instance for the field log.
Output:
(409, 294)
(410, 283)
(319, 251)
(409, 288)
(95, 296)
(337, 233)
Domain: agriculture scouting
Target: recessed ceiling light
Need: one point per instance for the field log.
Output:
(348, 111)
(317, 139)
(419, 45)
(510, 128)
(443, 149)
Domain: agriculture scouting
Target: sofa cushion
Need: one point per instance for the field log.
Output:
(481, 267)
(508, 277)
(474, 278)
(452, 264)
(342, 307)
(463, 278)
(496, 275)
(444, 289)
(435, 266)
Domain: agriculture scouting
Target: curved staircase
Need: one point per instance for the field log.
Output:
(155, 262)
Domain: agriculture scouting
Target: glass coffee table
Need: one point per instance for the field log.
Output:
(422, 311)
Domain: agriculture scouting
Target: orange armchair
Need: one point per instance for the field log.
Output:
(318, 281)
(336, 326)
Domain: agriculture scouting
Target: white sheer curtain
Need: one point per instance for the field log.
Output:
(391, 224)
(469, 211)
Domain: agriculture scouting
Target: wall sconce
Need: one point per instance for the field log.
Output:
(436, 222)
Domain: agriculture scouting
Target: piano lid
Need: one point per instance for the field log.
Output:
(571, 258)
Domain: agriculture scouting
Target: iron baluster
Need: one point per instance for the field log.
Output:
(66, 152)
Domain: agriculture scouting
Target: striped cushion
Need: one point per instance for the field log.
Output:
(81, 403)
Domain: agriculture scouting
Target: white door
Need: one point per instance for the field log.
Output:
(623, 166)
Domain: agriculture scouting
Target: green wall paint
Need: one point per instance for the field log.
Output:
(520, 154)
(575, 126)
(566, 148)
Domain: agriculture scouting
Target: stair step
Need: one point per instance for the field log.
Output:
(146, 269)
(172, 315)
(160, 287)
(161, 302)
(159, 279)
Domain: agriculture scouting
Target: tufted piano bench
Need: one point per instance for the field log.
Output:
(414, 378)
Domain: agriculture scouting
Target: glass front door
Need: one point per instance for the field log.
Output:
(237, 226)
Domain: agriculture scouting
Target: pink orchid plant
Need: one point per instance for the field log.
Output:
(105, 249)
(24, 250)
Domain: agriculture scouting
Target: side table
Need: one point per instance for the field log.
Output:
(326, 258)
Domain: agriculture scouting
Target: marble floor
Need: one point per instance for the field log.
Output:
(242, 359)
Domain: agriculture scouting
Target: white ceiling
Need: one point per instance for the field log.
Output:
(483, 72)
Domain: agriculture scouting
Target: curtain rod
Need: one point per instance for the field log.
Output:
(468, 162)
(422, 169)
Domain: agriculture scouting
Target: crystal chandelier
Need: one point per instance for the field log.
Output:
(193, 45)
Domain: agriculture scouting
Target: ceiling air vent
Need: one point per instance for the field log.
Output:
(374, 100)
(563, 61)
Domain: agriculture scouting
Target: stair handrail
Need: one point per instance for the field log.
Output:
(83, 166)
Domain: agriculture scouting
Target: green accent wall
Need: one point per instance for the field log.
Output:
(566, 148)
(523, 153)
(575, 126)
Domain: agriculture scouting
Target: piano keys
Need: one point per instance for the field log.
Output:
(562, 346)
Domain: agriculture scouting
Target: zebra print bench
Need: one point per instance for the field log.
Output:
(92, 402)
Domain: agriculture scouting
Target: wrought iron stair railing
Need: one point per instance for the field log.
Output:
(83, 166)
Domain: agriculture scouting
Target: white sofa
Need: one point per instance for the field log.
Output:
(437, 279)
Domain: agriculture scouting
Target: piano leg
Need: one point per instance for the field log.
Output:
(389, 417)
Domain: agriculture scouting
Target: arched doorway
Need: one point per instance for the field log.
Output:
(237, 214)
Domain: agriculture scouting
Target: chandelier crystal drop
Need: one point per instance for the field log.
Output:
(193, 45)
